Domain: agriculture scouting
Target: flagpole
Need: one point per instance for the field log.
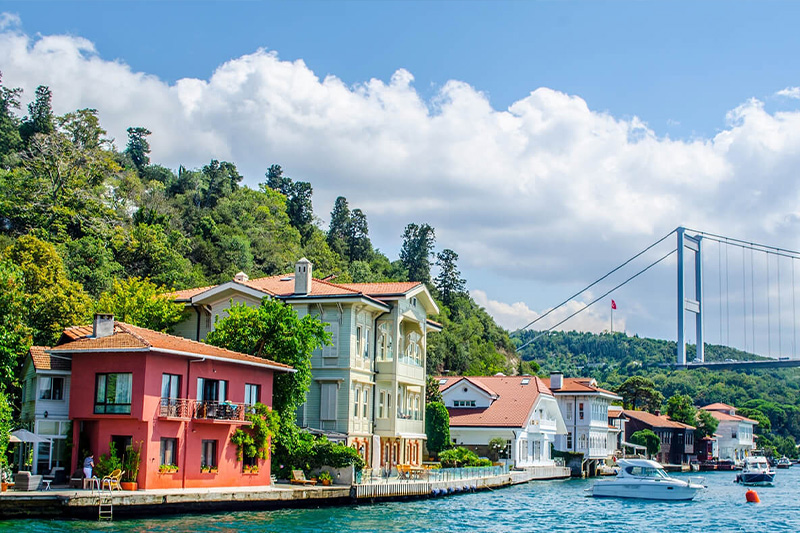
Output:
(612, 320)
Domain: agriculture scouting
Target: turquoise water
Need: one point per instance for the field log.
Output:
(536, 506)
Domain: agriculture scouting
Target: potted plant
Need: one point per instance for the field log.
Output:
(5, 476)
(208, 469)
(131, 462)
(325, 478)
(168, 469)
(251, 469)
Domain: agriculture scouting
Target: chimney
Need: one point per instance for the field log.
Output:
(556, 380)
(241, 277)
(103, 325)
(302, 277)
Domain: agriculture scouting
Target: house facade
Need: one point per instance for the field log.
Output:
(180, 400)
(677, 439)
(518, 409)
(45, 406)
(616, 425)
(585, 408)
(368, 388)
(734, 434)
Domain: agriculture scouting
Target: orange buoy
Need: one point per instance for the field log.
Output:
(752, 496)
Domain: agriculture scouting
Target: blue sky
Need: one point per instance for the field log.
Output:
(545, 141)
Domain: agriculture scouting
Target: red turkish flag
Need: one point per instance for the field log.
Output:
(613, 304)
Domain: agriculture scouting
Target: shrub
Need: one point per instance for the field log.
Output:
(106, 464)
(458, 457)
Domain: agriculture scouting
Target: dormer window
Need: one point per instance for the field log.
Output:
(525, 381)
(442, 381)
(463, 403)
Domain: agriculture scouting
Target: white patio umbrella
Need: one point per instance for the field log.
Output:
(26, 436)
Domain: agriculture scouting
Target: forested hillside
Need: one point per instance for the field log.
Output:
(86, 225)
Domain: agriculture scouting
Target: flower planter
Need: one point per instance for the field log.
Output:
(3, 487)
(129, 485)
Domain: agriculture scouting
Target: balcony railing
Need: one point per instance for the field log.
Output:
(201, 410)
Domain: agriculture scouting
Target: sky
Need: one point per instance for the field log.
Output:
(546, 142)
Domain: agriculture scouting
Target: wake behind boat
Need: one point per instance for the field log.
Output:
(756, 471)
(645, 479)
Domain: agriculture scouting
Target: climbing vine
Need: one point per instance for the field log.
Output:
(255, 441)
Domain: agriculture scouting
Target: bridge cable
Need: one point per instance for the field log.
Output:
(747, 244)
(769, 311)
(719, 280)
(744, 302)
(794, 316)
(753, 298)
(780, 311)
(727, 301)
(585, 307)
(659, 241)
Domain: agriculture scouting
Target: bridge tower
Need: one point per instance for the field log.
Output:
(693, 305)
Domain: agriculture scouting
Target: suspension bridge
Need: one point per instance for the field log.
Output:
(751, 292)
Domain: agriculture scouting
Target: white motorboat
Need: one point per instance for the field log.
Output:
(784, 462)
(756, 471)
(645, 479)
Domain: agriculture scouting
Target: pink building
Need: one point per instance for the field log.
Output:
(180, 398)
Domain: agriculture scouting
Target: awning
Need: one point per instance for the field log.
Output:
(634, 446)
(26, 436)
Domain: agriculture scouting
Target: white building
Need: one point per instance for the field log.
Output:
(585, 408)
(518, 409)
(45, 407)
(734, 434)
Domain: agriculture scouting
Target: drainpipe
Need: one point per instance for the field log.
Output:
(197, 333)
(191, 415)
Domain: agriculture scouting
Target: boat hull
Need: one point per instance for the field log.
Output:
(755, 478)
(654, 491)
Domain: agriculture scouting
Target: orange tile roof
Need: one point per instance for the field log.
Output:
(187, 294)
(127, 336)
(656, 421)
(579, 385)
(43, 361)
(718, 407)
(511, 408)
(725, 417)
(382, 289)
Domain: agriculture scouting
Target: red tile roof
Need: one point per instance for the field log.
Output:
(382, 289)
(656, 421)
(580, 385)
(718, 407)
(43, 361)
(725, 417)
(127, 336)
(511, 408)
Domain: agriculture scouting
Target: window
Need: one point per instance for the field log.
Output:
(170, 386)
(208, 450)
(384, 342)
(569, 440)
(382, 404)
(569, 410)
(463, 403)
(365, 403)
(359, 339)
(169, 451)
(328, 400)
(365, 348)
(51, 388)
(211, 390)
(580, 411)
(113, 394)
(356, 398)
(252, 394)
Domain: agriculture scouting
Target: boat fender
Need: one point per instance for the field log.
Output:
(752, 496)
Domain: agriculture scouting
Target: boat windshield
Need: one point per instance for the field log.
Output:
(640, 471)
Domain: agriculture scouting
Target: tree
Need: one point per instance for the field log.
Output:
(648, 439)
(437, 427)
(6, 425)
(339, 227)
(90, 262)
(299, 208)
(40, 117)
(141, 303)
(449, 281)
(638, 392)
(10, 140)
(359, 246)
(219, 180)
(52, 301)
(273, 330)
(138, 147)
(83, 129)
(15, 334)
(418, 241)
(705, 426)
(680, 408)
(276, 180)
(432, 393)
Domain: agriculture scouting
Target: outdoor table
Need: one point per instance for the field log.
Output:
(46, 483)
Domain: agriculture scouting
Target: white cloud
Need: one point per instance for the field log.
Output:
(518, 315)
(9, 21)
(789, 92)
(545, 192)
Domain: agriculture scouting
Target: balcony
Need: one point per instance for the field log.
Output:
(185, 409)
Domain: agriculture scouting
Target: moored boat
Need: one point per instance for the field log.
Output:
(645, 479)
(756, 471)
